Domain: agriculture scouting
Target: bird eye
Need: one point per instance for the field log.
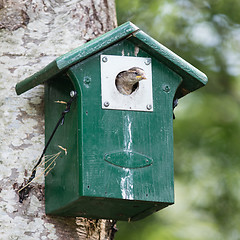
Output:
(136, 73)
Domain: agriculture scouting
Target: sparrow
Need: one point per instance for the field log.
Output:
(127, 81)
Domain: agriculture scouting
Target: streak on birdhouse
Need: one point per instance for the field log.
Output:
(120, 145)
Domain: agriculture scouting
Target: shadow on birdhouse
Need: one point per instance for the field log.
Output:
(119, 133)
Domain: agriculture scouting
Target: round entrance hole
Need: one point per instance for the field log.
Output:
(127, 81)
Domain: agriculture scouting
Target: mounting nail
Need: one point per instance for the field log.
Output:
(87, 80)
(72, 93)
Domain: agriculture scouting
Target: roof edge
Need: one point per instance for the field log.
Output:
(96, 45)
(192, 77)
(38, 78)
(76, 55)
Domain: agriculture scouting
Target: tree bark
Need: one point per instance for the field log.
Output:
(32, 34)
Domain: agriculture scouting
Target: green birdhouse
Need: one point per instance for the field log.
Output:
(118, 138)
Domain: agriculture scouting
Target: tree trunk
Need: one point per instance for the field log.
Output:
(32, 34)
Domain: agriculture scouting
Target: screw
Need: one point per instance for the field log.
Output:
(147, 61)
(72, 93)
(87, 80)
(167, 88)
(106, 104)
(104, 59)
(149, 107)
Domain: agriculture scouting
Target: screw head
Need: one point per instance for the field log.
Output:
(167, 88)
(87, 80)
(72, 93)
(147, 61)
(104, 59)
(106, 104)
(149, 107)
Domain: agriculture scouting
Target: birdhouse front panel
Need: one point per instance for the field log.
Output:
(119, 154)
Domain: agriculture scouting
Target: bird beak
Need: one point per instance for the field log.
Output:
(141, 77)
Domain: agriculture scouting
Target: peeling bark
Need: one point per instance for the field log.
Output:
(32, 34)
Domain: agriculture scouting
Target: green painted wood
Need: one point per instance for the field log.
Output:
(62, 182)
(128, 159)
(97, 44)
(106, 190)
(88, 206)
(192, 77)
(67, 60)
(40, 77)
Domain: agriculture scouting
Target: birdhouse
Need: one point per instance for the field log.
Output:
(118, 135)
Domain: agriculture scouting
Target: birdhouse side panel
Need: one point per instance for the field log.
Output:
(62, 162)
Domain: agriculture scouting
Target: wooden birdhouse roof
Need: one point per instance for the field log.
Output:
(192, 77)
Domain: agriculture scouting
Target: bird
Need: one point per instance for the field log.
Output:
(128, 81)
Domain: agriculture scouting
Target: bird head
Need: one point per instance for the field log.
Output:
(135, 75)
(128, 81)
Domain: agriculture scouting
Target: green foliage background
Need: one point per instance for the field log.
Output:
(205, 33)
